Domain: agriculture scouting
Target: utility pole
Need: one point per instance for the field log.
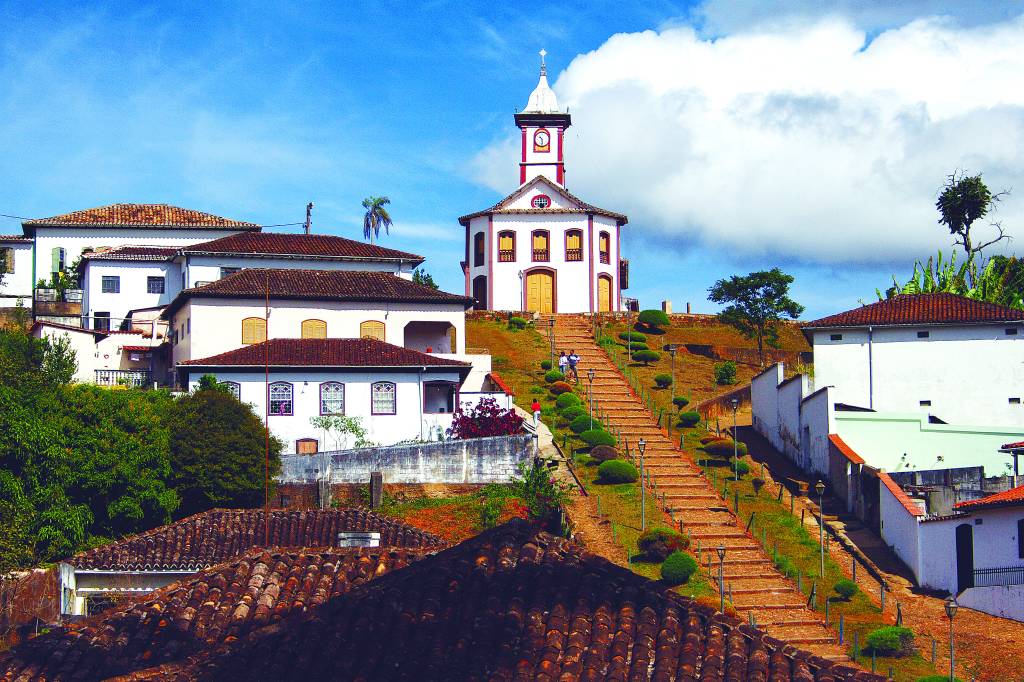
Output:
(309, 216)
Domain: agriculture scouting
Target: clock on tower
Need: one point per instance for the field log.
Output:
(543, 129)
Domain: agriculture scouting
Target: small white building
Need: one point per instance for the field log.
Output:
(398, 393)
(133, 358)
(118, 281)
(953, 358)
(541, 249)
(16, 278)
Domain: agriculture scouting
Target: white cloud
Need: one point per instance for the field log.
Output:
(797, 140)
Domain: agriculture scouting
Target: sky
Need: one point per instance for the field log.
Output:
(738, 135)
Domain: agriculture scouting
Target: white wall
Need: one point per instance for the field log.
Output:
(199, 269)
(133, 294)
(94, 352)
(764, 402)
(900, 529)
(791, 392)
(1004, 602)
(816, 423)
(408, 423)
(968, 373)
(17, 285)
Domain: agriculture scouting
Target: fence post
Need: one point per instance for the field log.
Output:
(840, 628)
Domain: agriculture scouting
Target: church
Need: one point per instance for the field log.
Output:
(542, 249)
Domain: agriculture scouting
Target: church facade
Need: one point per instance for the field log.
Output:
(541, 249)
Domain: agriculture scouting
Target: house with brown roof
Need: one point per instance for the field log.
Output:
(15, 270)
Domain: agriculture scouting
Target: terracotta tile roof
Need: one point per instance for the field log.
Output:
(1013, 446)
(920, 309)
(309, 246)
(67, 327)
(317, 285)
(1008, 498)
(845, 449)
(901, 496)
(217, 535)
(326, 353)
(500, 383)
(583, 207)
(511, 603)
(141, 215)
(134, 253)
(8, 238)
(201, 613)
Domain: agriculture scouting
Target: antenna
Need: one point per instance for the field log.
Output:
(309, 216)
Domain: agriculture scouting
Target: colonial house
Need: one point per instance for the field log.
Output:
(111, 358)
(118, 281)
(542, 249)
(15, 270)
(954, 359)
(397, 393)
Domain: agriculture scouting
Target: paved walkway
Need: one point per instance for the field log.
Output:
(757, 587)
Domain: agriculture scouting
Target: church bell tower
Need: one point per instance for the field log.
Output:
(543, 131)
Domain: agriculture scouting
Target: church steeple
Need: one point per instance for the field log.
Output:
(543, 126)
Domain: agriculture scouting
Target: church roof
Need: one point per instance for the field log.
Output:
(581, 206)
(542, 99)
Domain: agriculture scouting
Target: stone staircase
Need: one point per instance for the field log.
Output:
(757, 587)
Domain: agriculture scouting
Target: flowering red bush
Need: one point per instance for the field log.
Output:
(485, 419)
(560, 387)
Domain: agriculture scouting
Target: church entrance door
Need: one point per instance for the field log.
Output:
(540, 293)
(604, 294)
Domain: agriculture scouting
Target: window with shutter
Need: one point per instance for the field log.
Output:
(8, 260)
(540, 246)
(478, 249)
(604, 246)
(371, 329)
(314, 329)
(574, 245)
(506, 247)
(254, 330)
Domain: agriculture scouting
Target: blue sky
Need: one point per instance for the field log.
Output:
(251, 110)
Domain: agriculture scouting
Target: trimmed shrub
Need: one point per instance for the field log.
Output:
(725, 373)
(704, 440)
(635, 337)
(570, 413)
(595, 437)
(582, 423)
(678, 568)
(567, 400)
(658, 542)
(636, 347)
(723, 448)
(689, 419)
(680, 402)
(553, 375)
(845, 589)
(647, 356)
(517, 323)
(711, 604)
(663, 380)
(653, 320)
(537, 390)
(890, 641)
(617, 471)
(604, 453)
(742, 468)
(545, 365)
(560, 388)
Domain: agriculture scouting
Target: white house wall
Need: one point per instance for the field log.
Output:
(900, 530)
(816, 423)
(968, 373)
(790, 394)
(133, 293)
(17, 285)
(764, 402)
(205, 269)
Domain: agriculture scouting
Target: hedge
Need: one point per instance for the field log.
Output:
(553, 375)
(636, 347)
(725, 373)
(658, 542)
(567, 400)
(635, 337)
(663, 380)
(890, 641)
(536, 390)
(680, 402)
(595, 437)
(678, 568)
(723, 448)
(545, 365)
(617, 471)
(741, 467)
(846, 589)
(582, 423)
(570, 413)
(653, 318)
(560, 388)
(517, 323)
(604, 453)
(689, 419)
(647, 356)
(704, 440)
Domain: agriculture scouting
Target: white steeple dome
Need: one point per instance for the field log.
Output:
(542, 99)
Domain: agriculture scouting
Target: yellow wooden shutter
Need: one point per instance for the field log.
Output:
(254, 330)
(505, 241)
(572, 240)
(314, 329)
(540, 241)
(371, 329)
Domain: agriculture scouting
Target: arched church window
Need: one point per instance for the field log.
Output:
(506, 247)
(478, 249)
(541, 201)
(541, 249)
(604, 247)
(574, 245)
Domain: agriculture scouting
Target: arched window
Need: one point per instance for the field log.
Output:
(541, 250)
(573, 245)
(280, 398)
(371, 329)
(332, 398)
(478, 249)
(254, 330)
(604, 246)
(314, 329)
(234, 388)
(540, 201)
(382, 396)
(506, 247)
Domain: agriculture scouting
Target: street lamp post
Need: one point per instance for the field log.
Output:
(721, 578)
(819, 488)
(551, 339)
(590, 378)
(641, 445)
(951, 607)
(735, 447)
(672, 348)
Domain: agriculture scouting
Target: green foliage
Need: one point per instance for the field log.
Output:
(376, 217)
(680, 402)
(689, 419)
(568, 400)
(756, 304)
(545, 365)
(560, 388)
(890, 641)
(845, 589)
(658, 542)
(617, 471)
(553, 375)
(570, 413)
(543, 496)
(678, 568)
(635, 347)
(963, 200)
(582, 423)
(1000, 280)
(59, 361)
(653, 320)
(741, 467)
(636, 337)
(663, 380)
(422, 277)
(786, 566)
(517, 323)
(538, 390)
(345, 432)
(603, 453)
(724, 448)
(725, 373)
(595, 437)
(647, 356)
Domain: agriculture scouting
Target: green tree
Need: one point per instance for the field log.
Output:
(756, 304)
(341, 428)
(421, 276)
(965, 199)
(217, 452)
(376, 217)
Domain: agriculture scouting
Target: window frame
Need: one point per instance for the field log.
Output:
(547, 246)
(96, 317)
(479, 250)
(256, 321)
(507, 255)
(233, 387)
(290, 400)
(605, 252)
(394, 398)
(383, 330)
(332, 384)
(924, 334)
(7, 256)
(574, 232)
(106, 280)
(227, 271)
(835, 337)
(320, 324)
(540, 198)
(153, 279)
(453, 386)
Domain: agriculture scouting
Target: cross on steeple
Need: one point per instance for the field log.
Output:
(543, 68)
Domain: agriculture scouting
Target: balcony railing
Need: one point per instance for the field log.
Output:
(135, 378)
(506, 256)
(573, 254)
(605, 257)
(999, 577)
(540, 255)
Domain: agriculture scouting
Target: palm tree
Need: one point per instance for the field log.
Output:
(376, 217)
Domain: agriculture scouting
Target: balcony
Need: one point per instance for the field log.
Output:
(506, 256)
(573, 254)
(605, 258)
(541, 256)
(623, 273)
(129, 378)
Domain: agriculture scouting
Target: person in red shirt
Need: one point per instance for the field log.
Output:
(536, 412)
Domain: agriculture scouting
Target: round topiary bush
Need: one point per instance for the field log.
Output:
(689, 419)
(680, 402)
(582, 423)
(570, 413)
(678, 568)
(663, 380)
(637, 347)
(724, 448)
(604, 453)
(553, 375)
(653, 320)
(567, 400)
(704, 440)
(560, 388)
(595, 437)
(890, 641)
(845, 589)
(545, 365)
(517, 323)
(741, 467)
(658, 542)
(617, 471)
(635, 337)
(647, 356)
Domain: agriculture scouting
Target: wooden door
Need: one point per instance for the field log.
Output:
(604, 294)
(964, 557)
(540, 293)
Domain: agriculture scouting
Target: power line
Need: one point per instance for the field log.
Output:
(19, 217)
(283, 224)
